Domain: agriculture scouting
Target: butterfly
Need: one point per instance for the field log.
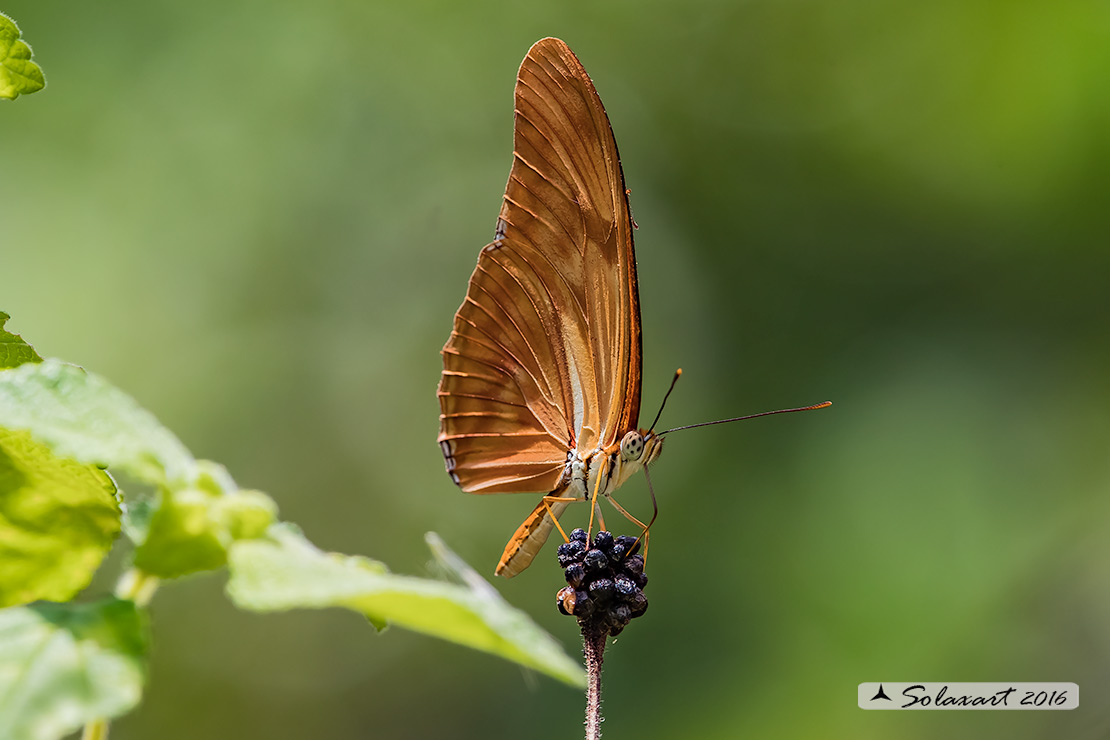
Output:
(540, 391)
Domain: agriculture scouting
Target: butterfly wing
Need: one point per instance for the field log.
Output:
(544, 357)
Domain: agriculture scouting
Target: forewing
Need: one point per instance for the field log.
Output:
(545, 352)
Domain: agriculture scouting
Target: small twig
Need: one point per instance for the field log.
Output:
(593, 644)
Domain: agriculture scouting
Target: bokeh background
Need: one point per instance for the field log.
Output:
(259, 218)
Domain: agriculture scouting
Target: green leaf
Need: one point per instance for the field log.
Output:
(18, 74)
(246, 515)
(64, 665)
(287, 572)
(191, 529)
(58, 519)
(182, 537)
(13, 350)
(82, 416)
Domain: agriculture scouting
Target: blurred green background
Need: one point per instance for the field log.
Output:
(259, 218)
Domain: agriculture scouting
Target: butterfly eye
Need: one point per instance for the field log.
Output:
(632, 446)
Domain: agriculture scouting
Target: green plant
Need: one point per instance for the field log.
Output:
(68, 664)
(18, 74)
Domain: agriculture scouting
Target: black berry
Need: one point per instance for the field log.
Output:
(596, 560)
(625, 587)
(570, 552)
(622, 614)
(603, 541)
(602, 590)
(575, 574)
(631, 544)
(583, 606)
(605, 580)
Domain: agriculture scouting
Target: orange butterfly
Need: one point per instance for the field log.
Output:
(540, 389)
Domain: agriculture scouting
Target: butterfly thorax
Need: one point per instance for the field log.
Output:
(607, 469)
(604, 469)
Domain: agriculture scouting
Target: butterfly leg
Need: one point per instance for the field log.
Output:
(530, 536)
(627, 515)
(547, 501)
(602, 474)
(645, 535)
(600, 518)
(654, 507)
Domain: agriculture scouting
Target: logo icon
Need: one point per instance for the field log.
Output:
(881, 694)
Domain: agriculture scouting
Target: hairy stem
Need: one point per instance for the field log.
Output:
(593, 643)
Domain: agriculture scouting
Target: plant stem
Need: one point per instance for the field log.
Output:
(593, 644)
(133, 585)
(137, 586)
(96, 730)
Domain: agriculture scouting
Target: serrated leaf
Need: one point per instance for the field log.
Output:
(246, 514)
(191, 529)
(182, 537)
(82, 416)
(13, 350)
(58, 519)
(288, 572)
(64, 665)
(18, 74)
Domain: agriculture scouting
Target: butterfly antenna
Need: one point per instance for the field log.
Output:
(824, 404)
(677, 375)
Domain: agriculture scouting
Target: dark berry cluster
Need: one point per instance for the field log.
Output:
(605, 582)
